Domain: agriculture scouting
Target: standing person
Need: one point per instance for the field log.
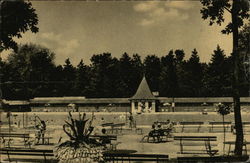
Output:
(41, 131)
(131, 120)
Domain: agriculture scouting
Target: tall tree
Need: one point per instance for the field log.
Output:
(181, 73)
(194, 74)
(69, 76)
(138, 71)
(218, 75)
(152, 65)
(125, 76)
(31, 68)
(104, 75)
(244, 47)
(82, 80)
(16, 17)
(239, 10)
(168, 78)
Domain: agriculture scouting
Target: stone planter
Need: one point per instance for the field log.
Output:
(81, 154)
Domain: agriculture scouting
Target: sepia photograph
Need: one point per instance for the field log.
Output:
(101, 81)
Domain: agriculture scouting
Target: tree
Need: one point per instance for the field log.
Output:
(194, 74)
(104, 75)
(168, 78)
(125, 80)
(152, 65)
(181, 73)
(239, 10)
(218, 80)
(30, 69)
(69, 76)
(81, 81)
(137, 72)
(244, 39)
(16, 18)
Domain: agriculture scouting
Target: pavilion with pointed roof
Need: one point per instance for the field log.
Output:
(143, 100)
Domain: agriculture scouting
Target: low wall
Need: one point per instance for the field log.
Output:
(58, 118)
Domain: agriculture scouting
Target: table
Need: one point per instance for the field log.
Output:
(121, 151)
(233, 143)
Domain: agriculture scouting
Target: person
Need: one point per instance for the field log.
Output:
(41, 131)
(154, 133)
(104, 140)
(131, 120)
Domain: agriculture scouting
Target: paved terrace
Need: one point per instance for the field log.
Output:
(131, 140)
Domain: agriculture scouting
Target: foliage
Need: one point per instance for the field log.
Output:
(223, 109)
(31, 72)
(17, 17)
(214, 11)
(239, 11)
(80, 145)
(218, 75)
(27, 71)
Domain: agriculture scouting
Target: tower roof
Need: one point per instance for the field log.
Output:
(143, 92)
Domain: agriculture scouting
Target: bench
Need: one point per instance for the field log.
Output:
(135, 157)
(198, 141)
(219, 125)
(191, 124)
(245, 125)
(113, 145)
(118, 126)
(212, 159)
(157, 135)
(230, 143)
(8, 138)
(107, 124)
(27, 152)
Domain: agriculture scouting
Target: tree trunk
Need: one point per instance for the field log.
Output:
(236, 93)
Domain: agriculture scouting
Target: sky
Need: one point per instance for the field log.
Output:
(79, 29)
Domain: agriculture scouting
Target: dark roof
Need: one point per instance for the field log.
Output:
(143, 92)
(77, 100)
(202, 99)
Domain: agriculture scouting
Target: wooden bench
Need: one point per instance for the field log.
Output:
(113, 145)
(8, 139)
(107, 124)
(117, 127)
(157, 136)
(245, 125)
(28, 152)
(164, 123)
(191, 124)
(230, 143)
(135, 157)
(219, 125)
(212, 159)
(198, 141)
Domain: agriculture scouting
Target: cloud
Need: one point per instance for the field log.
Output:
(157, 12)
(183, 5)
(146, 6)
(60, 45)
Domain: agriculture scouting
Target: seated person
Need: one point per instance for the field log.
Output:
(154, 133)
(104, 140)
